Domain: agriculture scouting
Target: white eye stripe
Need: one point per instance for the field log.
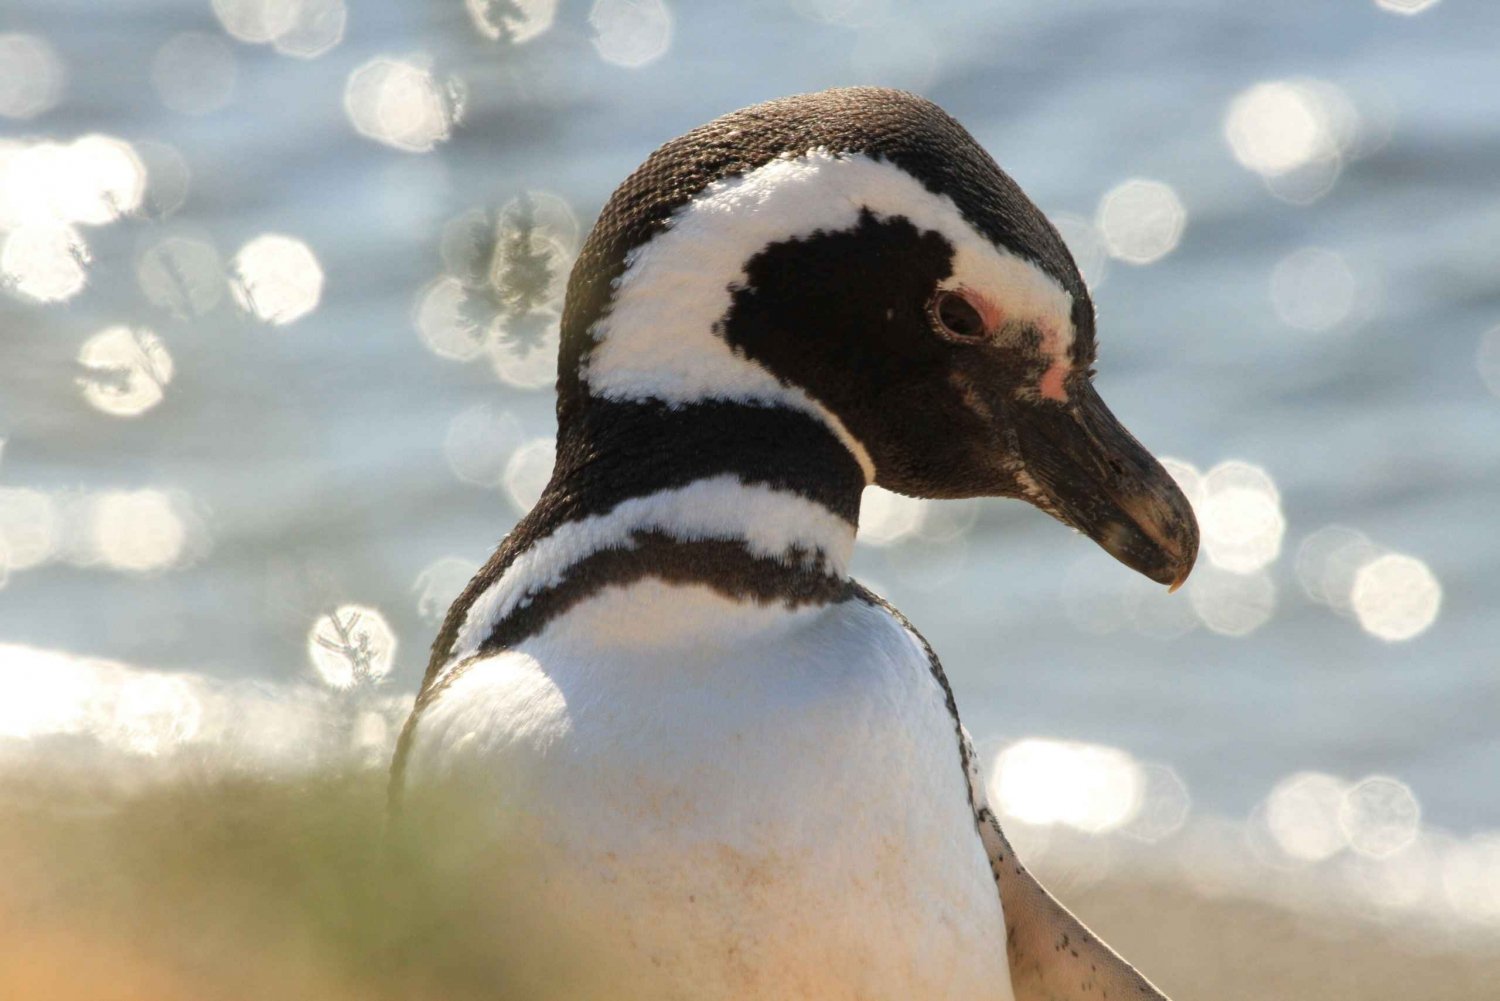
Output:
(658, 339)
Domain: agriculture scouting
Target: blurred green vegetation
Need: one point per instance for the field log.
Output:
(199, 887)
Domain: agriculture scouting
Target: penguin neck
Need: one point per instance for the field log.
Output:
(756, 503)
(615, 451)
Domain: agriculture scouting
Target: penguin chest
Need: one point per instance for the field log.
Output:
(686, 797)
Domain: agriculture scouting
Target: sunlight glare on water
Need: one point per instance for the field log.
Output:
(32, 77)
(352, 645)
(513, 21)
(397, 102)
(29, 527)
(45, 693)
(276, 279)
(1141, 221)
(44, 262)
(1471, 878)
(140, 531)
(126, 370)
(153, 713)
(93, 180)
(1086, 786)
(631, 33)
(194, 73)
(1396, 597)
(1240, 517)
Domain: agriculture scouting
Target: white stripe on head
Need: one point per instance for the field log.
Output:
(659, 338)
(769, 522)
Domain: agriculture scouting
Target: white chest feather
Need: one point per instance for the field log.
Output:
(751, 803)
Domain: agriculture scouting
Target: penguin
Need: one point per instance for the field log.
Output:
(691, 757)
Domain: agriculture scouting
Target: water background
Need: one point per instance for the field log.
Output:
(308, 460)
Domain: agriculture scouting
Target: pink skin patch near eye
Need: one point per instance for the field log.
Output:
(1053, 383)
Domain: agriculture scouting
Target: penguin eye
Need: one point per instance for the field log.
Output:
(956, 316)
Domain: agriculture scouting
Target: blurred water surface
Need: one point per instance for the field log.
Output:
(280, 290)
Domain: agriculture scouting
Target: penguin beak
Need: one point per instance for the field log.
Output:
(1097, 478)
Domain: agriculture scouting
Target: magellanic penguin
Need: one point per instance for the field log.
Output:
(702, 762)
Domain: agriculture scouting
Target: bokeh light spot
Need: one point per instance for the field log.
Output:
(1141, 221)
(631, 33)
(30, 527)
(352, 645)
(439, 583)
(479, 443)
(1164, 805)
(126, 370)
(167, 178)
(1406, 7)
(512, 21)
(1302, 814)
(44, 262)
(139, 531)
(32, 76)
(1281, 126)
(1327, 561)
(398, 103)
(1379, 816)
(93, 180)
(528, 471)
(316, 27)
(1086, 786)
(181, 275)
(1087, 246)
(887, 518)
(194, 73)
(256, 22)
(1239, 514)
(1312, 289)
(444, 323)
(1232, 604)
(277, 279)
(1396, 597)
(523, 349)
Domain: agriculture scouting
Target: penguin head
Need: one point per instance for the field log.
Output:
(855, 255)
